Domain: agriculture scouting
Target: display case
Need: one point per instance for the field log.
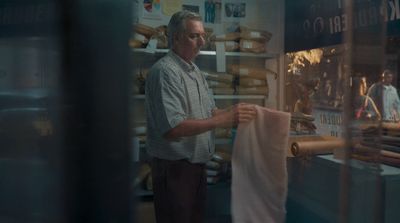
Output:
(336, 56)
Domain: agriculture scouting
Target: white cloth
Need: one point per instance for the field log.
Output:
(259, 174)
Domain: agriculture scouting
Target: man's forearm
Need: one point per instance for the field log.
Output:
(190, 128)
(222, 118)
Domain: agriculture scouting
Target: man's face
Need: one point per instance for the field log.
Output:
(188, 44)
(387, 79)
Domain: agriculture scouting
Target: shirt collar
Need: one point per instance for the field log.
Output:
(186, 66)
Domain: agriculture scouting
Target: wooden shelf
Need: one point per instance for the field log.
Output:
(218, 97)
(209, 53)
(239, 97)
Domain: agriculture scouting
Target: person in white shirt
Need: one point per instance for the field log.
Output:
(386, 97)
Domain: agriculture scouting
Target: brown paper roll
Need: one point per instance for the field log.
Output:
(369, 154)
(370, 150)
(391, 126)
(390, 154)
(386, 126)
(315, 147)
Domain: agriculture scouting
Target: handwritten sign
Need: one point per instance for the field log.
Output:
(328, 121)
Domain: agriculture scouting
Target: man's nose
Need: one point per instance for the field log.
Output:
(202, 40)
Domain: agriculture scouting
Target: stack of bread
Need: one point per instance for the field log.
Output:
(379, 143)
(230, 40)
(249, 80)
(239, 80)
(220, 83)
(244, 39)
(301, 123)
(142, 34)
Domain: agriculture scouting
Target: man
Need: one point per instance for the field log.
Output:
(181, 115)
(385, 97)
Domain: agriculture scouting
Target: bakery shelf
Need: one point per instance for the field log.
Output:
(210, 53)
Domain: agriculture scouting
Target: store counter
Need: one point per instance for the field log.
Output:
(314, 191)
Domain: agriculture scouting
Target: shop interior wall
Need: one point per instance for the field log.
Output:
(260, 14)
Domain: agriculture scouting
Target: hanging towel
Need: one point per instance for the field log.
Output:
(259, 175)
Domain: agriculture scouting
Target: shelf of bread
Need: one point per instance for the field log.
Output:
(209, 53)
(227, 97)
(241, 39)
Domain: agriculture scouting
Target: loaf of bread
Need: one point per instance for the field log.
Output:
(252, 46)
(254, 34)
(135, 43)
(251, 82)
(145, 30)
(252, 90)
(246, 71)
(226, 37)
(218, 84)
(224, 78)
(230, 46)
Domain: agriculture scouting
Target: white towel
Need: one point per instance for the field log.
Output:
(259, 174)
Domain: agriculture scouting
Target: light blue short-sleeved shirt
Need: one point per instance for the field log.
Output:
(176, 91)
(391, 103)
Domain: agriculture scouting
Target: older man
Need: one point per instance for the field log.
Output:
(181, 115)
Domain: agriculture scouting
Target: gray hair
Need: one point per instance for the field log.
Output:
(177, 24)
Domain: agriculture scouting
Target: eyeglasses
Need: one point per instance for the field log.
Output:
(196, 36)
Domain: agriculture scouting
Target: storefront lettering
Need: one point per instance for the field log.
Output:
(394, 10)
(363, 17)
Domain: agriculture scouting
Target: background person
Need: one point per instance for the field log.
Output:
(364, 106)
(181, 115)
(385, 97)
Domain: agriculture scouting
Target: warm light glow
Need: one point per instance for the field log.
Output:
(300, 58)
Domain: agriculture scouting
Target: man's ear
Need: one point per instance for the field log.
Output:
(177, 37)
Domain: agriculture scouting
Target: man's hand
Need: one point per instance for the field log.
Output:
(232, 116)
